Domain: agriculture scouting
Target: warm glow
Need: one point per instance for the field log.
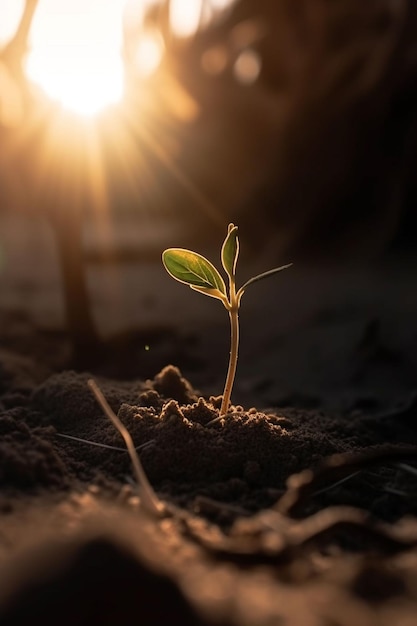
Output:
(76, 45)
(247, 67)
(10, 12)
(148, 53)
(185, 16)
(76, 52)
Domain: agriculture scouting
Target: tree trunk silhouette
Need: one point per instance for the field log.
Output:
(65, 217)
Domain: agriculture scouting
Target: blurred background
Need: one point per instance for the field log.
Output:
(203, 111)
(131, 126)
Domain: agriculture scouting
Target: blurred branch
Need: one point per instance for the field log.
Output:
(13, 54)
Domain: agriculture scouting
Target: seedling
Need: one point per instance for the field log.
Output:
(197, 272)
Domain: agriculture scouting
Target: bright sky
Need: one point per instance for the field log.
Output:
(76, 46)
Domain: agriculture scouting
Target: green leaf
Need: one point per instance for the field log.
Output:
(262, 276)
(192, 269)
(230, 251)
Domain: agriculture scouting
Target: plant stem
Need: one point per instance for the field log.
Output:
(234, 346)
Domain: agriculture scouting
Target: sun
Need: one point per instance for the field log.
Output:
(76, 53)
(76, 46)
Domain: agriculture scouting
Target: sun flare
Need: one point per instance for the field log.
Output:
(76, 46)
(76, 53)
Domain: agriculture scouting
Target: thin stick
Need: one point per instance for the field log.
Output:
(149, 498)
(336, 484)
(407, 468)
(103, 445)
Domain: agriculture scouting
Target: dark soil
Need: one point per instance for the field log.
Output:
(260, 528)
(241, 543)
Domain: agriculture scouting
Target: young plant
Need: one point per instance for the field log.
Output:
(198, 273)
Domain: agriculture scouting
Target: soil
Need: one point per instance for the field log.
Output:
(260, 527)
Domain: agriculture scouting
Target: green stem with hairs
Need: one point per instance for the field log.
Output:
(234, 347)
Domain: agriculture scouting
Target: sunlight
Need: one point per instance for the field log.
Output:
(76, 53)
(185, 16)
(10, 12)
(76, 46)
(148, 54)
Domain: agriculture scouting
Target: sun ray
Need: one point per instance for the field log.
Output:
(80, 159)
